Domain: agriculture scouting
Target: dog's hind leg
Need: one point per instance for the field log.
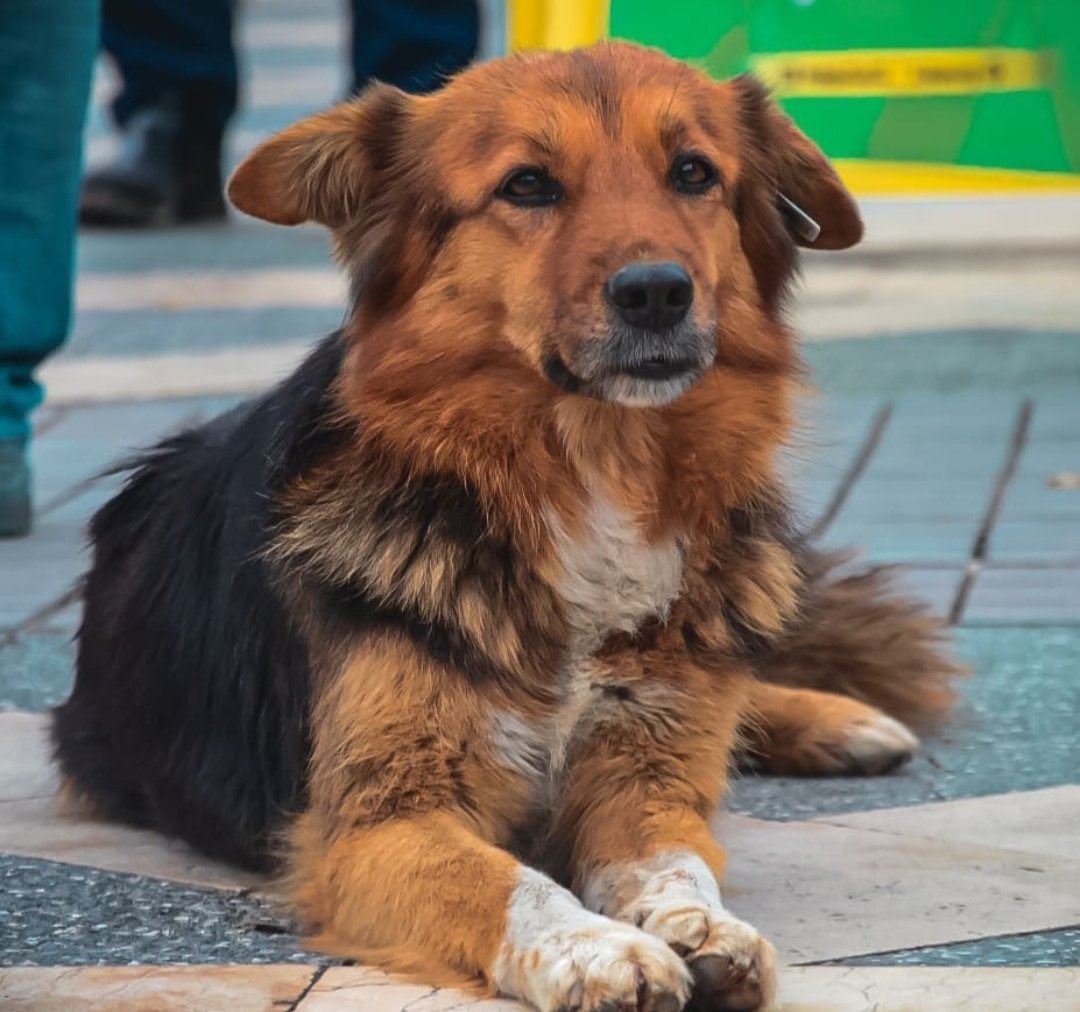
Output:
(857, 636)
(803, 732)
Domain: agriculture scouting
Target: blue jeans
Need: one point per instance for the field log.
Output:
(185, 46)
(46, 55)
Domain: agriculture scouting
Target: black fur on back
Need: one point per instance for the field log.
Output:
(190, 706)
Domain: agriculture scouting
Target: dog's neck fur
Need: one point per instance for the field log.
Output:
(502, 428)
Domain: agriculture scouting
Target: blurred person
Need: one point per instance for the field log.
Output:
(179, 86)
(46, 54)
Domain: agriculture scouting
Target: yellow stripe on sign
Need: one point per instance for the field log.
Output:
(901, 72)
(871, 178)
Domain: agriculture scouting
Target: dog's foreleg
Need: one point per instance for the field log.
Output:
(634, 822)
(397, 859)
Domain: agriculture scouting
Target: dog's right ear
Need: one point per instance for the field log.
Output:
(322, 168)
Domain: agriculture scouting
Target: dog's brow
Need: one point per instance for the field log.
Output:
(706, 116)
(543, 142)
(673, 132)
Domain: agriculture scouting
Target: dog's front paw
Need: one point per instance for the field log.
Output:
(612, 966)
(674, 896)
(559, 956)
(734, 967)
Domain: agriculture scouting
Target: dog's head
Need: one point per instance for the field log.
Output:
(609, 219)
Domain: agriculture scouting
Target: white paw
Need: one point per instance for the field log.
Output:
(608, 964)
(674, 896)
(878, 744)
(560, 956)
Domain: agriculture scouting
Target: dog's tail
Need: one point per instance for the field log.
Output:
(858, 636)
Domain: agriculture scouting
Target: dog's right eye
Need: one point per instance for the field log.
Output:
(529, 187)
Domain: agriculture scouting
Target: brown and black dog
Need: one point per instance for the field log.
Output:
(462, 621)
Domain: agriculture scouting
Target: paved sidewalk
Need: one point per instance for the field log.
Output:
(946, 437)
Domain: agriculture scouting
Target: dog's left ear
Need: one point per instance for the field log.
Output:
(323, 168)
(795, 168)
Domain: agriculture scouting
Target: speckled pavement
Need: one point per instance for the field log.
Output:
(945, 436)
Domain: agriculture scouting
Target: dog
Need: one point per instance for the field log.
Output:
(461, 625)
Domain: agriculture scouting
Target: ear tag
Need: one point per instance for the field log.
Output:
(797, 220)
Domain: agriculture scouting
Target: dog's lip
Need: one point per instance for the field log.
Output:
(659, 367)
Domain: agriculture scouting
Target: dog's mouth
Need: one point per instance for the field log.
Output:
(635, 367)
(660, 367)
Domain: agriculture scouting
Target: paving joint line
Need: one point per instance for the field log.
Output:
(980, 548)
(72, 492)
(316, 977)
(51, 415)
(853, 472)
(69, 494)
(843, 960)
(36, 619)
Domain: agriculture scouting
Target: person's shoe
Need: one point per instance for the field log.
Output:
(167, 171)
(14, 489)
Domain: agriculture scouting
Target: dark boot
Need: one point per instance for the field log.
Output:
(168, 171)
(14, 489)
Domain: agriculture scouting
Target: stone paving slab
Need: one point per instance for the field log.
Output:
(1045, 822)
(803, 989)
(40, 569)
(362, 988)
(241, 242)
(1025, 596)
(156, 988)
(913, 504)
(1038, 822)
(84, 443)
(1004, 358)
(39, 827)
(825, 892)
(25, 769)
(1054, 542)
(909, 989)
(910, 543)
(251, 988)
(120, 332)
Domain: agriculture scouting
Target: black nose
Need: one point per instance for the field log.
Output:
(654, 296)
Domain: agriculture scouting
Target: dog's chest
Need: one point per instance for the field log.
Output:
(612, 580)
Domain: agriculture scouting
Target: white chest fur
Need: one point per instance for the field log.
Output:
(612, 578)
(612, 581)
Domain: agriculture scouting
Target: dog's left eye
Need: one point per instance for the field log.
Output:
(693, 174)
(529, 187)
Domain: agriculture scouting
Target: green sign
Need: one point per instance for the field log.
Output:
(987, 84)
